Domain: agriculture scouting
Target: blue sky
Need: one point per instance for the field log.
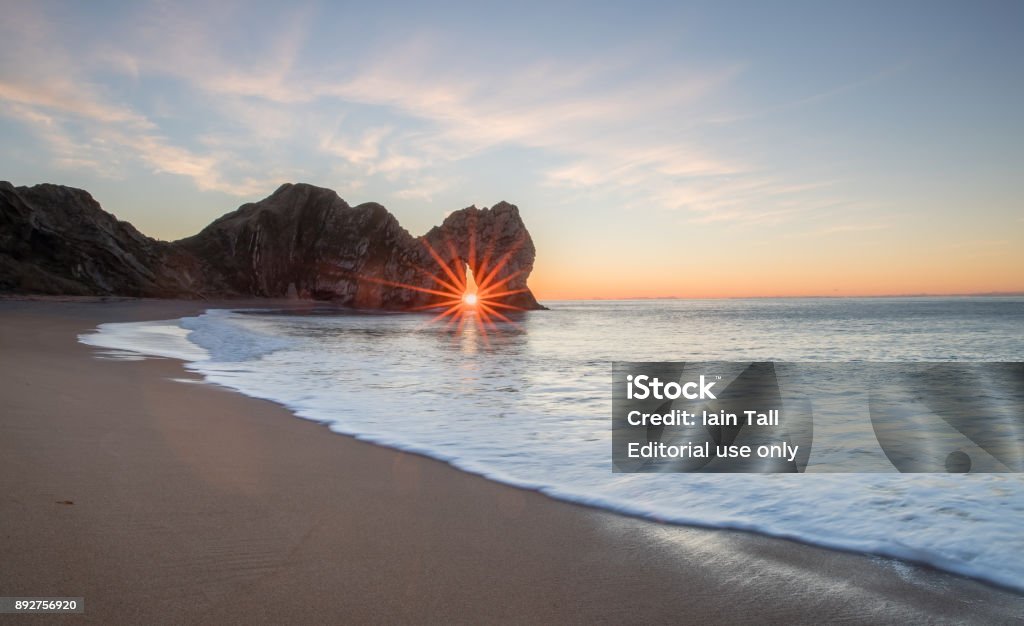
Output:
(654, 148)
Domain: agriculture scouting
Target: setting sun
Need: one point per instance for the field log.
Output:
(469, 299)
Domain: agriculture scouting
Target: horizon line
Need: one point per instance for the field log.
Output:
(990, 294)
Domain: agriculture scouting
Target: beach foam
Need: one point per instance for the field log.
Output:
(529, 406)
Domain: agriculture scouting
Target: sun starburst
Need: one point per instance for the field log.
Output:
(478, 295)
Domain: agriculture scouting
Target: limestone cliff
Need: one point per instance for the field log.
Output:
(302, 241)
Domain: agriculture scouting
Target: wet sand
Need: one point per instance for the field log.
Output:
(161, 501)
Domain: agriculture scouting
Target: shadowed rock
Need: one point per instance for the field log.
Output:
(57, 240)
(495, 244)
(302, 241)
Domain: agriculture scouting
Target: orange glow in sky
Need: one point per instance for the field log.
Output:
(904, 258)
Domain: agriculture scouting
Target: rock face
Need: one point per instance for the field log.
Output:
(57, 240)
(494, 244)
(302, 241)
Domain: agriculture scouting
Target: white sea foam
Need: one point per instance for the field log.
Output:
(529, 405)
(159, 338)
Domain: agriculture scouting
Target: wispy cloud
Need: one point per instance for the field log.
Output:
(366, 148)
(611, 126)
(86, 128)
(424, 189)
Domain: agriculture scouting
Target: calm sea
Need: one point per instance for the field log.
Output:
(529, 404)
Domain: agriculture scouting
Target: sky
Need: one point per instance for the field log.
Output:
(717, 149)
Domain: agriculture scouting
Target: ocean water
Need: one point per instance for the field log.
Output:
(529, 403)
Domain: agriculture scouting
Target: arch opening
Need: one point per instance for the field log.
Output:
(470, 295)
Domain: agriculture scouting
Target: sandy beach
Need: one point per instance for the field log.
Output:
(161, 500)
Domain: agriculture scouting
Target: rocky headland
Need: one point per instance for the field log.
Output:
(302, 242)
